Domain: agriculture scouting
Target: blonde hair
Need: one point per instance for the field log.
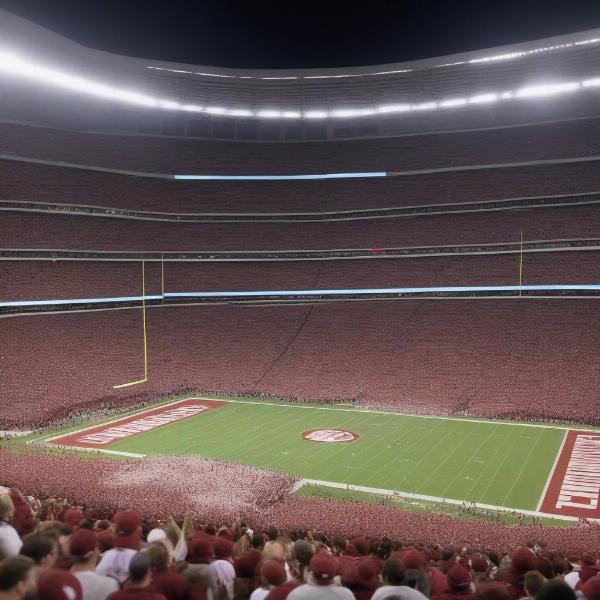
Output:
(7, 508)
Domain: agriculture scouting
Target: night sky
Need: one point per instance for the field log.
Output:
(289, 34)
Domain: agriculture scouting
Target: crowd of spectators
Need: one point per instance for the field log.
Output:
(487, 358)
(31, 230)
(51, 550)
(44, 280)
(216, 492)
(44, 183)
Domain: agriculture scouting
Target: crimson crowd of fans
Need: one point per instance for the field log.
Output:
(216, 491)
(51, 550)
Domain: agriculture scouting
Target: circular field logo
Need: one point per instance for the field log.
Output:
(330, 436)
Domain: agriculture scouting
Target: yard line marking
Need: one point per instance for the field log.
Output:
(455, 449)
(476, 453)
(516, 479)
(362, 450)
(98, 450)
(495, 477)
(491, 462)
(401, 431)
(120, 453)
(383, 492)
(551, 474)
(429, 452)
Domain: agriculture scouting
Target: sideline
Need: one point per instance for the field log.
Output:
(384, 492)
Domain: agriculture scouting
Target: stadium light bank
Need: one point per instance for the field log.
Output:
(13, 65)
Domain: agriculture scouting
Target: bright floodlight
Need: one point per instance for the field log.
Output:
(269, 114)
(351, 112)
(15, 66)
(425, 106)
(393, 108)
(169, 104)
(240, 112)
(315, 114)
(483, 98)
(12, 64)
(453, 102)
(551, 89)
(216, 110)
(192, 108)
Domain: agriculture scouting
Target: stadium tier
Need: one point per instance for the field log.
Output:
(26, 280)
(496, 358)
(51, 231)
(578, 138)
(40, 182)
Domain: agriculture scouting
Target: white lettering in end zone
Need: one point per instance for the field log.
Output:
(581, 484)
(140, 425)
(573, 487)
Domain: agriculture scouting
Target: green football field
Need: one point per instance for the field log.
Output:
(494, 463)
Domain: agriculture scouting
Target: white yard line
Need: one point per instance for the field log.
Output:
(383, 492)
(551, 474)
(103, 450)
(516, 479)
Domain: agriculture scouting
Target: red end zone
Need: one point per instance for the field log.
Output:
(102, 435)
(574, 486)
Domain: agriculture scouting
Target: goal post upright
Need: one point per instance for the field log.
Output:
(145, 336)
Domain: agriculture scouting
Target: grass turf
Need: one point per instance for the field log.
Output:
(494, 463)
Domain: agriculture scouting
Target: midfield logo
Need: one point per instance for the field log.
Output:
(330, 436)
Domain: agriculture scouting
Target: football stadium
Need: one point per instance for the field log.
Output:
(268, 329)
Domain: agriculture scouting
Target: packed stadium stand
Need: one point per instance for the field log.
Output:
(44, 279)
(67, 232)
(484, 357)
(472, 196)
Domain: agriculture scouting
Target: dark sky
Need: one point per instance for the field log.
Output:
(287, 34)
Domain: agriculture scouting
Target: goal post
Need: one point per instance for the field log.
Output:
(145, 336)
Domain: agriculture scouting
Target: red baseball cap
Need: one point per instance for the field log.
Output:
(128, 529)
(479, 564)
(458, 578)
(83, 541)
(73, 517)
(323, 567)
(591, 588)
(56, 584)
(223, 548)
(274, 572)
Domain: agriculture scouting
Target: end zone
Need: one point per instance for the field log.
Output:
(573, 487)
(99, 436)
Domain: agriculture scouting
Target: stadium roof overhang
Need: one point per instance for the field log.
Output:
(562, 66)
